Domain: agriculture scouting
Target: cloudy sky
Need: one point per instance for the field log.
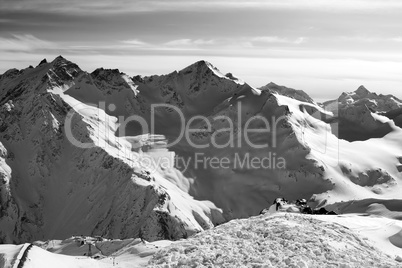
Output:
(321, 46)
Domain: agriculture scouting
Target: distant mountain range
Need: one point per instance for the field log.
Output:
(330, 153)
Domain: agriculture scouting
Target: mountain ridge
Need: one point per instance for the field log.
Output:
(361, 90)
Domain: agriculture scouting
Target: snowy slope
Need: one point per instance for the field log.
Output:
(383, 233)
(9, 254)
(105, 253)
(281, 240)
(72, 253)
(377, 225)
(274, 240)
(357, 170)
(395, 115)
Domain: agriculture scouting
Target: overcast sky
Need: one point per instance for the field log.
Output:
(323, 47)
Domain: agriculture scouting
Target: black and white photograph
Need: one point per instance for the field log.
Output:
(201, 133)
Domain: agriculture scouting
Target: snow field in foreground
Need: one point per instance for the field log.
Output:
(281, 240)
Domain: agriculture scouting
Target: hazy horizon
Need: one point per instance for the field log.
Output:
(319, 46)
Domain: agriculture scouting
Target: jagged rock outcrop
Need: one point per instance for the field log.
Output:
(289, 92)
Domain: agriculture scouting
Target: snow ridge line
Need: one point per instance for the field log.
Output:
(22, 255)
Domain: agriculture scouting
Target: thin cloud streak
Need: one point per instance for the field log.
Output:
(189, 42)
(397, 39)
(135, 42)
(216, 44)
(25, 43)
(126, 6)
(276, 39)
(266, 46)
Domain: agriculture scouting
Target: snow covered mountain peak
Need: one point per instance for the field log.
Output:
(373, 101)
(60, 62)
(56, 75)
(109, 80)
(362, 91)
(62, 72)
(203, 66)
(289, 92)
